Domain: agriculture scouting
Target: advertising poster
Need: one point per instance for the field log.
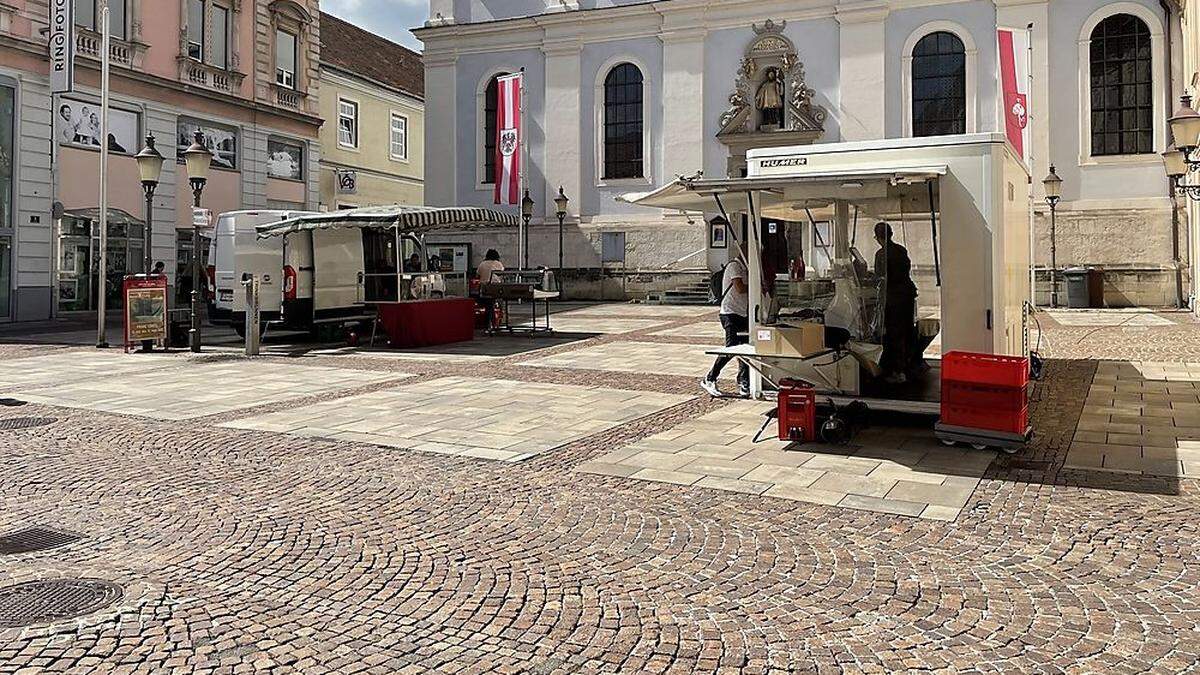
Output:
(145, 309)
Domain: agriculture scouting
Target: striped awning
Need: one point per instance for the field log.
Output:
(414, 219)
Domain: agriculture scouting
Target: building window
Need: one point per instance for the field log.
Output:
(347, 123)
(220, 37)
(87, 15)
(491, 97)
(399, 137)
(623, 123)
(939, 85)
(1122, 107)
(195, 30)
(285, 59)
(285, 159)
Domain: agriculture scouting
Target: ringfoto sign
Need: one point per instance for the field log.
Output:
(62, 46)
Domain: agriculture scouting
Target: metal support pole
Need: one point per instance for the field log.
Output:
(147, 263)
(194, 332)
(525, 245)
(253, 314)
(1053, 258)
(102, 269)
(561, 217)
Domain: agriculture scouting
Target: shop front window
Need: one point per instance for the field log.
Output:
(79, 259)
(183, 266)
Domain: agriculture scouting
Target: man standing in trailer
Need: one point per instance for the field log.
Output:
(899, 293)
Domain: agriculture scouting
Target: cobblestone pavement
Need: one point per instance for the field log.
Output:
(256, 551)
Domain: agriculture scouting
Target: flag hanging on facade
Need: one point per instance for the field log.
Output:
(508, 139)
(1014, 87)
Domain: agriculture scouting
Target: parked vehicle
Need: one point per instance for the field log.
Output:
(235, 249)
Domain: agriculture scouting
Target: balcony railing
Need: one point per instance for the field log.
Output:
(210, 77)
(286, 97)
(120, 52)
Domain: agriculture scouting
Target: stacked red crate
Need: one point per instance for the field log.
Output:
(985, 391)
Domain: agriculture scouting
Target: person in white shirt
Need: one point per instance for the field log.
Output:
(735, 319)
(490, 265)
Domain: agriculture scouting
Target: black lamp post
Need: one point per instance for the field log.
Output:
(560, 204)
(526, 216)
(149, 163)
(197, 159)
(1053, 186)
(1181, 158)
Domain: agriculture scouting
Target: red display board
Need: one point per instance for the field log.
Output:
(422, 323)
(145, 308)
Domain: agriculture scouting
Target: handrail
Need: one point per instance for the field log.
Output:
(679, 260)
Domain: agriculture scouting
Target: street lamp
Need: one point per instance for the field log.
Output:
(1181, 158)
(197, 159)
(560, 204)
(1053, 186)
(149, 163)
(526, 216)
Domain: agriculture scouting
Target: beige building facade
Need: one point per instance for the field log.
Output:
(372, 101)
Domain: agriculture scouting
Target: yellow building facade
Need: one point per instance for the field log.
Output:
(373, 138)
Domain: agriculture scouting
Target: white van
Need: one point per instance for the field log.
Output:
(236, 250)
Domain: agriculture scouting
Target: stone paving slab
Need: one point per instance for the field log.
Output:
(701, 329)
(629, 310)
(489, 419)
(889, 470)
(188, 389)
(1140, 418)
(70, 366)
(637, 357)
(571, 322)
(1107, 318)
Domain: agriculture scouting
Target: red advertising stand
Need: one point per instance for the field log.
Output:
(145, 308)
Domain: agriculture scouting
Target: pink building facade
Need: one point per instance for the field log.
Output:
(243, 72)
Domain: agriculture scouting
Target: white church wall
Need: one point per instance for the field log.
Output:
(978, 19)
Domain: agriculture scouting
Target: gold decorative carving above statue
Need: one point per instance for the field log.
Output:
(770, 94)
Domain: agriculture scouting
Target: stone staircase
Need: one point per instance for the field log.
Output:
(693, 292)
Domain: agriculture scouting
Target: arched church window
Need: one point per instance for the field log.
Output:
(623, 123)
(490, 95)
(1121, 87)
(939, 85)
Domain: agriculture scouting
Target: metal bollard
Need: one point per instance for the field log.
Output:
(253, 313)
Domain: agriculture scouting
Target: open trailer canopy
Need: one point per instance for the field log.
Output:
(416, 219)
(699, 194)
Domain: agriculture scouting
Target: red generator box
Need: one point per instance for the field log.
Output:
(797, 411)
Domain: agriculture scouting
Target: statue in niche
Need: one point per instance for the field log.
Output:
(769, 100)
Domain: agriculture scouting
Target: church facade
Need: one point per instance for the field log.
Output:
(625, 95)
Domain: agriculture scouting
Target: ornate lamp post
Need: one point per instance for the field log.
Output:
(526, 216)
(149, 163)
(1181, 158)
(560, 204)
(197, 158)
(1053, 186)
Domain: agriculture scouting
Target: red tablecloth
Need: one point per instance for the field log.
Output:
(421, 323)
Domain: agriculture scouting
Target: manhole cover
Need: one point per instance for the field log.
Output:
(35, 602)
(35, 539)
(25, 422)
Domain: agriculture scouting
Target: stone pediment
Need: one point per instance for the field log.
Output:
(770, 96)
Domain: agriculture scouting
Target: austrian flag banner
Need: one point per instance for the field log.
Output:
(1014, 87)
(508, 139)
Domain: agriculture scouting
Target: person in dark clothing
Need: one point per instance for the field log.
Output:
(899, 293)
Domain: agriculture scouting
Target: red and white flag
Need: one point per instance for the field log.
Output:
(508, 139)
(1014, 87)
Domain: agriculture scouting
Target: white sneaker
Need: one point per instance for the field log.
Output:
(711, 387)
(896, 378)
(744, 392)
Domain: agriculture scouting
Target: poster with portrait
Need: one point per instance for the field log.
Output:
(285, 159)
(222, 142)
(77, 123)
(718, 231)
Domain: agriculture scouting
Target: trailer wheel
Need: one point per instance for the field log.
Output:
(979, 446)
(948, 442)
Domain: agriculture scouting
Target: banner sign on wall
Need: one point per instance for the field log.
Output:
(1014, 87)
(62, 46)
(508, 139)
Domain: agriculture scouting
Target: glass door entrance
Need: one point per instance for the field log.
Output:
(78, 259)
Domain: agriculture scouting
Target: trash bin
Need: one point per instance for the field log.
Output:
(1077, 287)
(1085, 287)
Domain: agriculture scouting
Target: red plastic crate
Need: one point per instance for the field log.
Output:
(990, 369)
(990, 419)
(984, 396)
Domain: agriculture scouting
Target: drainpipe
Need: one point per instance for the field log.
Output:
(1175, 257)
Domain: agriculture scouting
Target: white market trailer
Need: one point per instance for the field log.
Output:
(970, 195)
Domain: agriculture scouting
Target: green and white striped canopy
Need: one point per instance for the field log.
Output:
(415, 219)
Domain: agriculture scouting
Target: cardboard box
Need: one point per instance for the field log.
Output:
(803, 339)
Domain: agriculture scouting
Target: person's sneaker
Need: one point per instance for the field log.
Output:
(711, 387)
(896, 378)
(744, 392)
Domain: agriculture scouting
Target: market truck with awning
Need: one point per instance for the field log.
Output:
(959, 205)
